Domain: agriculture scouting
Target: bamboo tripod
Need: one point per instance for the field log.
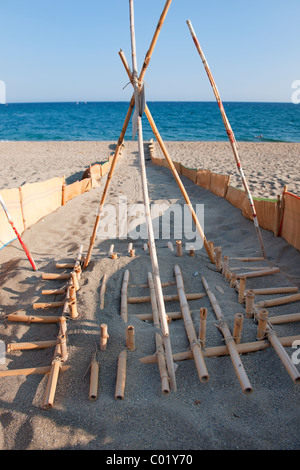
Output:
(152, 247)
(230, 136)
(206, 244)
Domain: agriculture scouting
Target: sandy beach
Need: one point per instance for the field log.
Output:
(216, 415)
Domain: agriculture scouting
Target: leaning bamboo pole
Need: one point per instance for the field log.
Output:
(121, 376)
(123, 131)
(230, 343)
(190, 330)
(153, 254)
(230, 136)
(155, 131)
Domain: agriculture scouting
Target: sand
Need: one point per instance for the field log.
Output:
(214, 415)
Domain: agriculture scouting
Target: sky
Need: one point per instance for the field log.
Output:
(67, 50)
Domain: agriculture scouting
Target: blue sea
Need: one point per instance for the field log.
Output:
(186, 121)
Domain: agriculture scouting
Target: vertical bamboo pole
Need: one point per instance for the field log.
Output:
(230, 343)
(262, 323)
(230, 136)
(190, 330)
(153, 254)
(94, 380)
(102, 291)
(250, 297)
(103, 337)
(242, 286)
(155, 131)
(178, 247)
(218, 258)
(123, 132)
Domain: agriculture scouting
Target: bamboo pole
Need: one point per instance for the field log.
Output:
(190, 330)
(73, 309)
(230, 343)
(52, 383)
(152, 249)
(149, 316)
(283, 355)
(242, 286)
(123, 131)
(172, 168)
(288, 318)
(275, 290)
(63, 290)
(102, 292)
(219, 351)
(238, 325)
(30, 345)
(230, 136)
(124, 296)
(44, 370)
(260, 272)
(278, 301)
(55, 276)
(202, 328)
(166, 298)
(38, 305)
(32, 318)
(94, 380)
(225, 265)
(178, 247)
(121, 376)
(165, 388)
(103, 336)
(155, 313)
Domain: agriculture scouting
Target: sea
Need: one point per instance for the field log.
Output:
(176, 121)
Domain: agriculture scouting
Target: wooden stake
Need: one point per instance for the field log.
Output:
(218, 258)
(73, 309)
(178, 247)
(103, 336)
(230, 136)
(165, 388)
(124, 296)
(202, 329)
(250, 296)
(242, 286)
(121, 376)
(262, 324)
(238, 325)
(94, 380)
(230, 343)
(130, 338)
(190, 330)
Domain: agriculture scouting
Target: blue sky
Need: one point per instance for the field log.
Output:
(67, 50)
